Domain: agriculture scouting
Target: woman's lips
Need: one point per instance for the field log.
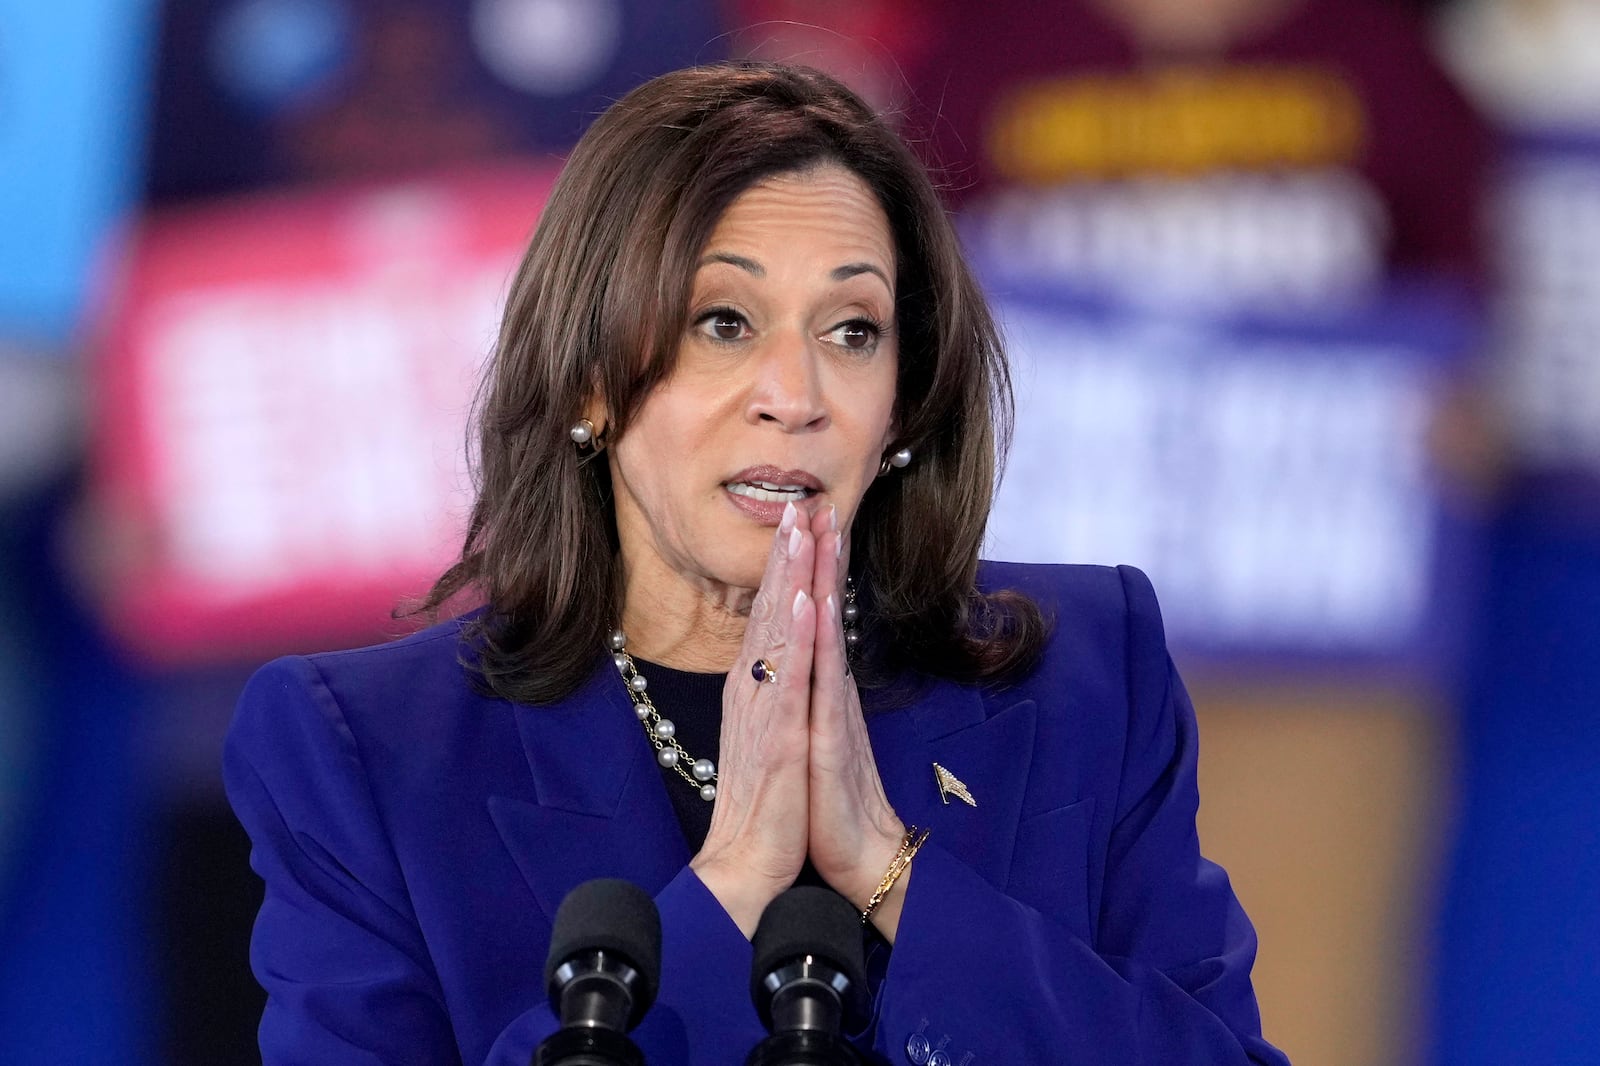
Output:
(767, 491)
(762, 492)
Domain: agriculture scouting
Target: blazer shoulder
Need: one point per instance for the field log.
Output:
(425, 648)
(1105, 620)
(381, 685)
(1049, 582)
(1078, 592)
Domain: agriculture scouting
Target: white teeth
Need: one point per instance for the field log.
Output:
(765, 490)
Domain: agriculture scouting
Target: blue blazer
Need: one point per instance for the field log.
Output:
(415, 839)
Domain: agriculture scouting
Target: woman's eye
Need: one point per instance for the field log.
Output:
(723, 325)
(858, 335)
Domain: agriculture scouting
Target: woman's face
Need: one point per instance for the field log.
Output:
(784, 384)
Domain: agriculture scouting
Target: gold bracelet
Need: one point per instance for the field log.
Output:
(897, 866)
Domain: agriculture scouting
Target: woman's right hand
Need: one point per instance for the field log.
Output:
(759, 831)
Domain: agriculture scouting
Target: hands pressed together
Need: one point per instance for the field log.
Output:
(795, 774)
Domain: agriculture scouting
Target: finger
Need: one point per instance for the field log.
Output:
(794, 680)
(826, 568)
(830, 667)
(789, 570)
(764, 725)
(780, 634)
(824, 520)
(798, 621)
(775, 578)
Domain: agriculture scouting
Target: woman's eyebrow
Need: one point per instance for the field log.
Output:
(850, 270)
(755, 269)
(750, 266)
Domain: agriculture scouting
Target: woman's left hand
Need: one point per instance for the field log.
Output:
(854, 832)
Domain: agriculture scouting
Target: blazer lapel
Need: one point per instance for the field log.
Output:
(990, 754)
(600, 808)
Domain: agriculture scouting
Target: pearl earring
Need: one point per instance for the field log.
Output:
(584, 434)
(899, 460)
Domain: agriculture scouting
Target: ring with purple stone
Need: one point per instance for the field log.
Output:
(764, 672)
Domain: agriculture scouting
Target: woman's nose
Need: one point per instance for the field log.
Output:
(788, 386)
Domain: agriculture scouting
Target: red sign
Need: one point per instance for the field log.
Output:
(282, 402)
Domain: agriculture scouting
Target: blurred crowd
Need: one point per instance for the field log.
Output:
(1304, 298)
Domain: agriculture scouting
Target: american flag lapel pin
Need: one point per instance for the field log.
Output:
(951, 785)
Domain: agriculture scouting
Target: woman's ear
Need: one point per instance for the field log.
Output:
(597, 414)
(890, 435)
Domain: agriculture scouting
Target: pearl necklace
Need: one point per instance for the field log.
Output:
(701, 774)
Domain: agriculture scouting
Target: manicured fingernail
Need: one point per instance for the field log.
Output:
(788, 518)
(833, 608)
(833, 518)
(794, 541)
(799, 602)
(838, 547)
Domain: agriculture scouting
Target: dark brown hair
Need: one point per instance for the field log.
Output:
(597, 309)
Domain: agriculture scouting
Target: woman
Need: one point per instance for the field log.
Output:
(743, 359)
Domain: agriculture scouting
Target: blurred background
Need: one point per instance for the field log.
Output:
(1304, 300)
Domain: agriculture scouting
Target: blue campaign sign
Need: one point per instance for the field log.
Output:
(1273, 478)
(73, 101)
(1547, 238)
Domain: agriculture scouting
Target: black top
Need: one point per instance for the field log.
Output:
(693, 703)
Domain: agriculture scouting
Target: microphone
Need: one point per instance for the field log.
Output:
(602, 973)
(808, 975)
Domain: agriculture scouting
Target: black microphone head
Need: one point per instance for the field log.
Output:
(808, 920)
(613, 916)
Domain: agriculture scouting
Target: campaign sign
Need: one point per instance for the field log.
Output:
(1546, 237)
(282, 397)
(1272, 477)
